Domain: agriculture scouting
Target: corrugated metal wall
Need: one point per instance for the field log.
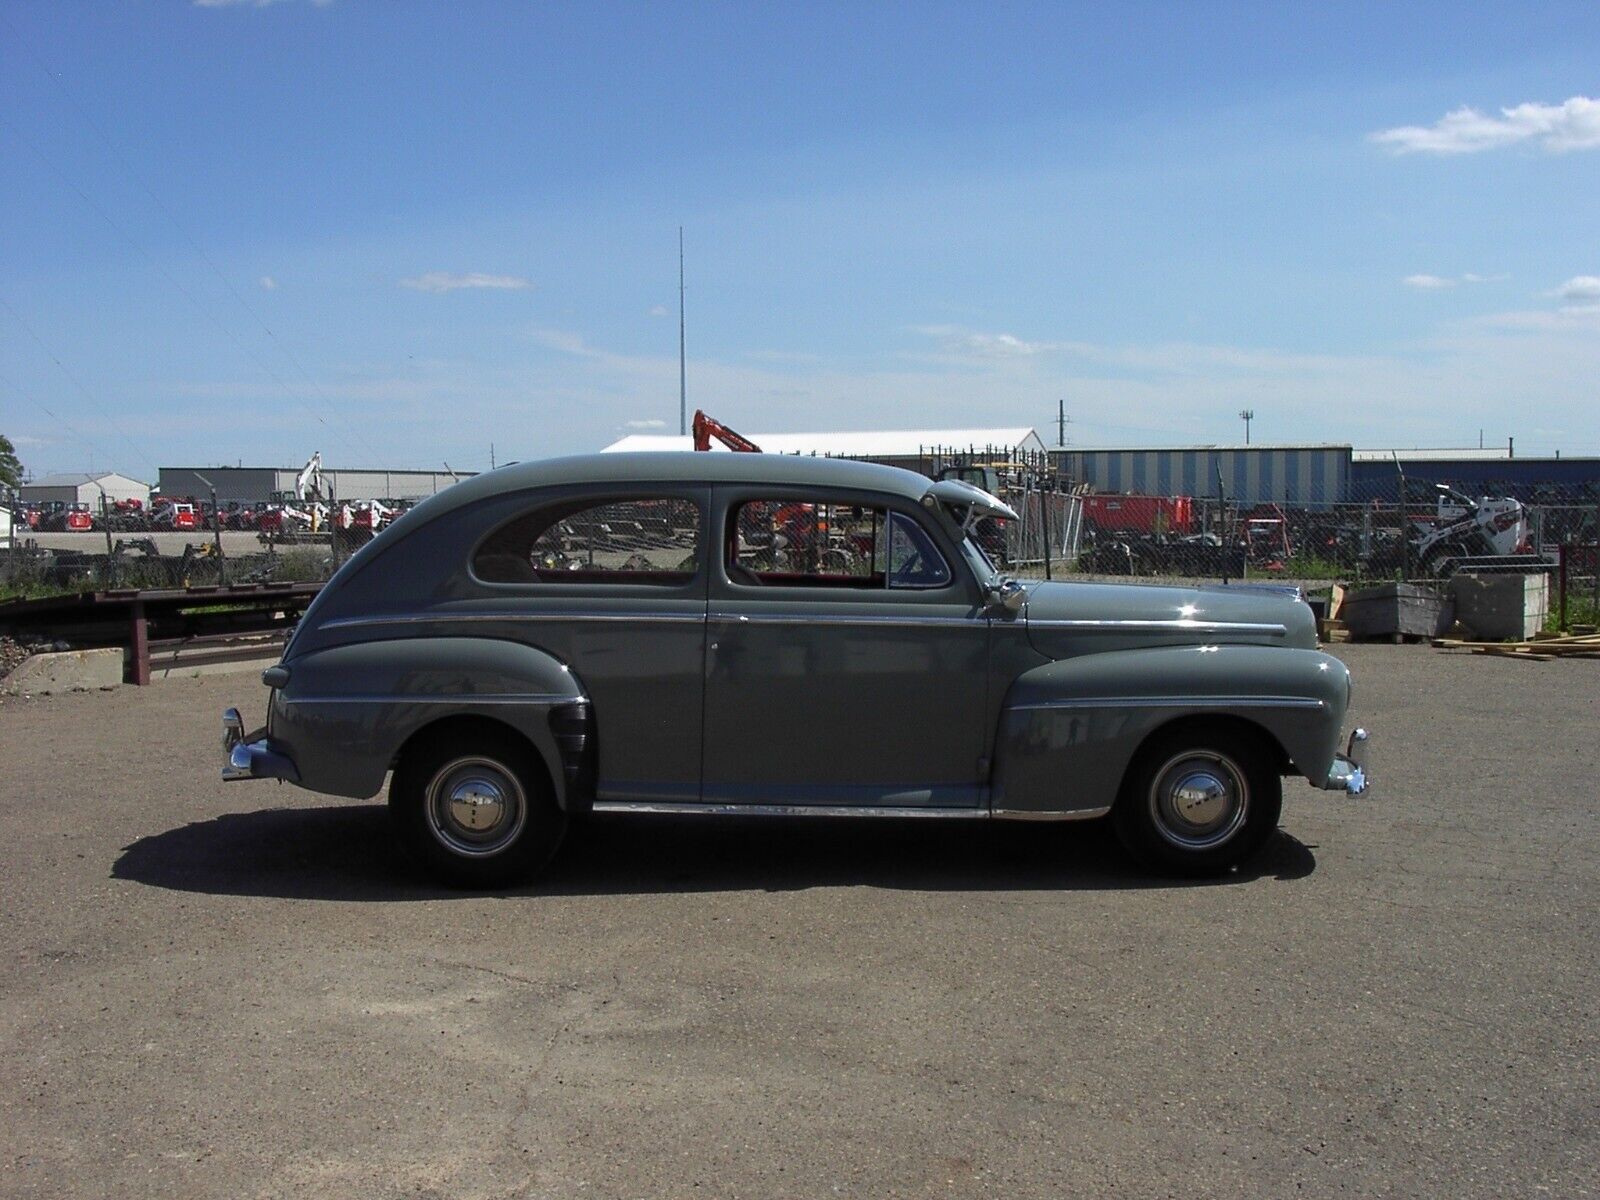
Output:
(1301, 476)
(250, 485)
(1520, 477)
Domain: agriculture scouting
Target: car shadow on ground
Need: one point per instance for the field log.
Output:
(348, 853)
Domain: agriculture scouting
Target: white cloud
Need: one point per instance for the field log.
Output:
(445, 281)
(566, 343)
(250, 3)
(1571, 125)
(650, 424)
(1431, 283)
(658, 310)
(973, 343)
(1579, 290)
(268, 283)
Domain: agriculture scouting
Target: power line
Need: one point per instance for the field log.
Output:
(155, 199)
(168, 276)
(93, 447)
(78, 383)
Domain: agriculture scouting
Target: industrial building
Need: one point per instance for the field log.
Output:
(252, 485)
(1304, 476)
(84, 487)
(1497, 471)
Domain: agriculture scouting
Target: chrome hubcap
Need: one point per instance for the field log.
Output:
(1199, 800)
(476, 807)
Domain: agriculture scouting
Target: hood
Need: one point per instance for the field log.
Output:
(1068, 619)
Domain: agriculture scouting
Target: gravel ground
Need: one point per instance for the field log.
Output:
(12, 654)
(243, 991)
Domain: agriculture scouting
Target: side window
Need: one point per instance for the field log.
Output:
(818, 543)
(914, 561)
(642, 541)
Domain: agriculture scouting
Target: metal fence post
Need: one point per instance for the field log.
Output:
(1561, 584)
(1222, 524)
(1044, 527)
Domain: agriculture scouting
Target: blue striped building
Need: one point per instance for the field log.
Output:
(1301, 476)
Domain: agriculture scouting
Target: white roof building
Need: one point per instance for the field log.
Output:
(84, 487)
(866, 443)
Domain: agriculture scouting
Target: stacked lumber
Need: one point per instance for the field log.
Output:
(1542, 647)
(1331, 628)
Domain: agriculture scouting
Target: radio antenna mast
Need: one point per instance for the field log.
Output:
(683, 370)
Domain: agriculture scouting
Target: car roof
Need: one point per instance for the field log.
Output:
(675, 466)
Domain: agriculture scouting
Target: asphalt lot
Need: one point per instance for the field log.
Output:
(243, 991)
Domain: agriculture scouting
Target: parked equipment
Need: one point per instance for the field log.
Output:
(706, 428)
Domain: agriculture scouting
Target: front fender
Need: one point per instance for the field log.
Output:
(345, 711)
(1069, 729)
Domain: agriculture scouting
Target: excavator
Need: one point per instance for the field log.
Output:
(301, 511)
(706, 428)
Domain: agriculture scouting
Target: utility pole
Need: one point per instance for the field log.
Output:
(683, 370)
(1061, 423)
(1247, 415)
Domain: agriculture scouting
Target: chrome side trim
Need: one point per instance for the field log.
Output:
(975, 621)
(785, 810)
(1176, 625)
(453, 698)
(656, 618)
(1172, 702)
(1028, 814)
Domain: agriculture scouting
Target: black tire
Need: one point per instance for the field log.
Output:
(478, 812)
(1199, 800)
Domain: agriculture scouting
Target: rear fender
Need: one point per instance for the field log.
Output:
(1069, 729)
(346, 711)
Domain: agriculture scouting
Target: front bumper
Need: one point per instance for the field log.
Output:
(1349, 771)
(252, 756)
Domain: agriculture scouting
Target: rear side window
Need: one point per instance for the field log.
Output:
(652, 540)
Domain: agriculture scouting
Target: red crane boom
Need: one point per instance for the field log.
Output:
(706, 428)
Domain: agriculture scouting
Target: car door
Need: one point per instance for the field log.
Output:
(825, 685)
(612, 582)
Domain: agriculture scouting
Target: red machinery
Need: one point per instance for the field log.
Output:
(1140, 514)
(78, 519)
(706, 428)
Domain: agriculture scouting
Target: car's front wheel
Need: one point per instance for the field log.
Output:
(477, 812)
(1199, 801)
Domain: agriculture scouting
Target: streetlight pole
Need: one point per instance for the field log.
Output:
(216, 528)
(683, 362)
(1247, 415)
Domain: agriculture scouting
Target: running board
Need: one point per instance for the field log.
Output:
(842, 810)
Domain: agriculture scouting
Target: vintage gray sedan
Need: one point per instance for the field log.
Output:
(759, 634)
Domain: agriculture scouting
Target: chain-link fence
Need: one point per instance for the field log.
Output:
(1412, 529)
(29, 570)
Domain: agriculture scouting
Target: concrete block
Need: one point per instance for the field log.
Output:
(1501, 607)
(64, 671)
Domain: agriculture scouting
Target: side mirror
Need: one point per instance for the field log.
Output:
(1007, 594)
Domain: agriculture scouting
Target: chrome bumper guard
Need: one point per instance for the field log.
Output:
(251, 756)
(1349, 771)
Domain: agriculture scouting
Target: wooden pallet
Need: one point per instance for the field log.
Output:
(1542, 647)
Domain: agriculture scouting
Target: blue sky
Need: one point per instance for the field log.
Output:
(399, 232)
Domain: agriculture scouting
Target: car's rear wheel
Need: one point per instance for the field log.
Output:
(1200, 800)
(477, 812)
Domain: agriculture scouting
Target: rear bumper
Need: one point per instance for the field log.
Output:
(252, 756)
(1349, 771)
